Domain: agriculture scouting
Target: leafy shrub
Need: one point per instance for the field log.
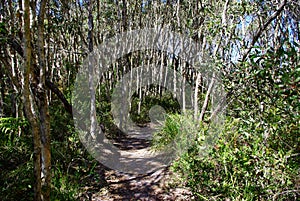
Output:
(10, 127)
(16, 169)
(239, 167)
(166, 100)
(177, 133)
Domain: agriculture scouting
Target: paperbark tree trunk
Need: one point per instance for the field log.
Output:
(36, 106)
(206, 101)
(43, 108)
(28, 104)
(93, 117)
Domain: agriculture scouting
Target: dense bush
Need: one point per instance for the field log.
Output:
(165, 100)
(257, 153)
(15, 159)
(70, 161)
(240, 166)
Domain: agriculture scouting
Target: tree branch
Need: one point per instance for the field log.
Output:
(60, 95)
(264, 27)
(50, 85)
(205, 104)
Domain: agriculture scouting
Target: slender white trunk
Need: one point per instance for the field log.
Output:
(198, 82)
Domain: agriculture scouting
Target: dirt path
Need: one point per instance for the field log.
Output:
(155, 185)
(145, 187)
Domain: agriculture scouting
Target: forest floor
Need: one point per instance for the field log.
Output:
(155, 185)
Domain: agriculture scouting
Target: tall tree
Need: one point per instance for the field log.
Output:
(36, 102)
(28, 103)
(43, 106)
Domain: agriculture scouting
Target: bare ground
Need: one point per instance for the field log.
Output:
(157, 185)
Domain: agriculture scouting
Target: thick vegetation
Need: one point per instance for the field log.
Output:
(256, 156)
(253, 46)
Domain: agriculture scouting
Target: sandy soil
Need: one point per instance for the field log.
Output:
(155, 185)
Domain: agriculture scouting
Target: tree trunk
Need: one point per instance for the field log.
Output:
(43, 109)
(198, 82)
(208, 93)
(93, 117)
(28, 104)
(1, 95)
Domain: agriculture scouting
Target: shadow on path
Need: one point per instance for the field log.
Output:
(125, 186)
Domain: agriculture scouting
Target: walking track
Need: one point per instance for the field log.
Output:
(154, 185)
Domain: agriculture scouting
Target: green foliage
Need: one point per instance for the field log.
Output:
(3, 33)
(63, 187)
(270, 95)
(72, 166)
(65, 149)
(16, 178)
(178, 133)
(166, 100)
(240, 167)
(9, 128)
(167, 134)
(257, 154)
(70, 161)
(103, 106)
